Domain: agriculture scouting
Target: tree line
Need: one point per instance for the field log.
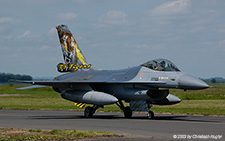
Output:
(5, 77)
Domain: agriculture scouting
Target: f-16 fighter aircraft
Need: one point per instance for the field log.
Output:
(141, 86)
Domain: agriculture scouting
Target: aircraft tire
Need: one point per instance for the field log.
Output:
(150, 115)
(88, 112)
(127, 112)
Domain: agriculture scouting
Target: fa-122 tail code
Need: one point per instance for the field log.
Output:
(72, 55)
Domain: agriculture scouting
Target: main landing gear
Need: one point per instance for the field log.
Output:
(150, 114)
(126, 110)
(89, 111)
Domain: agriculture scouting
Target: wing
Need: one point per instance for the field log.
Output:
(56, 83)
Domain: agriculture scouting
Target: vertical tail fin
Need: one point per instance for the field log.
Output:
(71, 52)
(73, 57)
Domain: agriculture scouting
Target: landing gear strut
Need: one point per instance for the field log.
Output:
(89, 111)
(126, 110)
(150, 113)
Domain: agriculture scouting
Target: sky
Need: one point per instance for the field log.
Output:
(114, 34)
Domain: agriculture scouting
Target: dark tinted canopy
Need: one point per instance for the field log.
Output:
(161, 65)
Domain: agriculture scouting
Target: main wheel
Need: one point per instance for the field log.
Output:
(88, 112)
(127, 112)
(150, 115)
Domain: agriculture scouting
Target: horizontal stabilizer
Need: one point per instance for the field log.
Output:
(32, 87)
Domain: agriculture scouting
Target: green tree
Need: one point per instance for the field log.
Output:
(213, 80)
(5, 77)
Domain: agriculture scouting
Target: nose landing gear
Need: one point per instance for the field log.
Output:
(150, 114)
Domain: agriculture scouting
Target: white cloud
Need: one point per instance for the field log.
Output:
(51, 32)
(159, 47)
(174, 7)
(26, 34)
(141, 46)
(222, 45)
(221, 29)
(45, 47)
(5, 20)
(8, 37)
(10, 20)
(114, 17)
(66, 16)
(8, 24)
(213, 13)
(5, 48)
(79, 1)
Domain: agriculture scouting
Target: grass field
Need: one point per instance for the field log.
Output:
(206, 102)
(30, 134)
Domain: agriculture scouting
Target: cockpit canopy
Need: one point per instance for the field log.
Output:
(161, 65)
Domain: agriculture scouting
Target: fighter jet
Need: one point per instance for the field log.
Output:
(141, 86)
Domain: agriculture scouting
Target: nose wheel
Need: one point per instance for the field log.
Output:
(150, 113)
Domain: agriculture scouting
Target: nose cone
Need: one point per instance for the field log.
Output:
(191, 83)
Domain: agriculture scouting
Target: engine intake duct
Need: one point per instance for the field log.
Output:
(157, 94)
(169, 100)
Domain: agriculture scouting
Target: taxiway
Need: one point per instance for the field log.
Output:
(164, 126)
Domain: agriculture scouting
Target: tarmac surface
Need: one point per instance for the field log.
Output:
(164, 126)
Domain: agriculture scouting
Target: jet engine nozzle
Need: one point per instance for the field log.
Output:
(191, 83)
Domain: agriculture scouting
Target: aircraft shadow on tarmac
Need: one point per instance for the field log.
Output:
(186, 118)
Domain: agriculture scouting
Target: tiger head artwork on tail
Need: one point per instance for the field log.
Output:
(73, 57)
